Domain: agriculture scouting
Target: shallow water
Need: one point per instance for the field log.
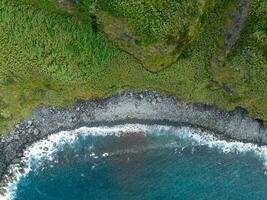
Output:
(136, 162)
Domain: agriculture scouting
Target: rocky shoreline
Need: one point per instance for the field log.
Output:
(129, 106)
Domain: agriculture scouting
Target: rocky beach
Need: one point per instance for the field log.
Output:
(129, 106)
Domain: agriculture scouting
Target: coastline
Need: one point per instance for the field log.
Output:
(129, 106)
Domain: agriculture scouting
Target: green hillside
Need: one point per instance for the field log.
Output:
(55, 53)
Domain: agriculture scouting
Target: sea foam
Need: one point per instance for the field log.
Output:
(45, 149)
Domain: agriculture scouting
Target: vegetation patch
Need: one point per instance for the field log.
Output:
(239, 65)
(155, 32)
(52, 56)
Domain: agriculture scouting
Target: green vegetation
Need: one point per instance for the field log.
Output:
(153, 21)
(155, 32)
(54, 57)
(243, 70)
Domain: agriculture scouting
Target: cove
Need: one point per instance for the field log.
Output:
(136, 161)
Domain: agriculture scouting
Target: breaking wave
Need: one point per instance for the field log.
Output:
(46, 149)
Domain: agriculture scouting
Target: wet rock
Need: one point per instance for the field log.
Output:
(13, 178)
(13, 132)
(30, 130)
(73, 119)
(7, 138)
(3, 191)
(3, 139)
(16, 137)
(22, 170)
(23, 164)
(45, 149)
(36, 132)
(158, 99)
(15, 161)
(5, 181)
(154, 102)
(2, 165)
(29, 123)
(20, 155)
(240, 110)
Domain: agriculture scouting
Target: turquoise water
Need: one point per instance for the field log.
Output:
(144, 163)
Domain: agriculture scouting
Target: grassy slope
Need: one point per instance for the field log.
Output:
(54, 58)
(155, 32)
(154, 21)
(244, 69)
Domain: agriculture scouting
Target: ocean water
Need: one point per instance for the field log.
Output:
(135, 162)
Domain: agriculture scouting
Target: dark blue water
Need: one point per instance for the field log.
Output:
(136, 166)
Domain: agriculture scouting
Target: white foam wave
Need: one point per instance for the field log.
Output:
(45, 149)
